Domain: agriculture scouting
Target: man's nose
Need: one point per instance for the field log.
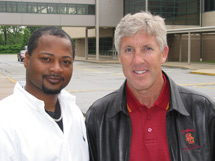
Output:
(56, 67)
(138, 56)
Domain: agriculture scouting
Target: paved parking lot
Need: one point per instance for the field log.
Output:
(91, 81)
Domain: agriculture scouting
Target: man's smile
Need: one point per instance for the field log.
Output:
(53, 79)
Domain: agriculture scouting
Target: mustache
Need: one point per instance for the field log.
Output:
(54, 76)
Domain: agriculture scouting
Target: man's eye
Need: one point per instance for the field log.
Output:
(148, 48)
(67, 62)
(128, 50)
(46, 59)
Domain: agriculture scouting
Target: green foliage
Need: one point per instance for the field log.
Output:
(11, 34)
(14, 38)
(26, 36)
(1, 39)
(7, 49)
(32, 28)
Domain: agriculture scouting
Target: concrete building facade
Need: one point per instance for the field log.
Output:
(92, 23)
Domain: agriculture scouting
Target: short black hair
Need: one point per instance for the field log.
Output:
(51, 30)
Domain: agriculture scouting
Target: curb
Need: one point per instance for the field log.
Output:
(202, 73)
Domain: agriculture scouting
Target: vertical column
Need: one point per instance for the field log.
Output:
(180, 49)
(201, 47)
(146, 5)
(189, 48)
(201, 10)
(86, 44)
(97, 29)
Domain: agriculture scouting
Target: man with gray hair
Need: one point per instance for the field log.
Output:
(150, 117)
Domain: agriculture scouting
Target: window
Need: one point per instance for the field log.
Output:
(42, 8)
(91, 9)
(52, 8)
(47, 8)
(81, 9)
(105, 46)
(32, 8)
(11, 7)
(175, 12)
(71, 9)
(209, 5)
(62, 8)
(2, 6)
(21, 7)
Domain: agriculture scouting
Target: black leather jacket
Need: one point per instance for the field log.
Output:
(190, 126)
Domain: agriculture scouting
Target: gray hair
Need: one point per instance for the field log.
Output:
(144, 22)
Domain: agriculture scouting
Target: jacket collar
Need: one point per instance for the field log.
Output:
(119, 103)
(176, 103)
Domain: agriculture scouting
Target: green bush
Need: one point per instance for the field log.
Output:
(7, 49)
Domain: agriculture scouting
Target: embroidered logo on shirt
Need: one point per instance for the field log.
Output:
(189, 138)
(189, 135)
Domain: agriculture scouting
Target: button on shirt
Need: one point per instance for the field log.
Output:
(149, 140)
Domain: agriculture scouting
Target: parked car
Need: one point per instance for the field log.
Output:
(21, 54)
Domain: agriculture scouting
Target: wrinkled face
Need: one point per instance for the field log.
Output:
(141, 60)
(49, 68)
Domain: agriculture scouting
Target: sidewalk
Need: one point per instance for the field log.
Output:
(7, 84)
(197, 68)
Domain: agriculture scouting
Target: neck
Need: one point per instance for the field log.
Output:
(149, 96)
(49, 100)
(50, 103)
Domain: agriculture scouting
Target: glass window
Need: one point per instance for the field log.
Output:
(11, 6)
(71, 9)
(174, 11)
(32, 8)
(105, 46)
(22, 7)
(62, 8)
(81, 9)
(155, 3)
(133, 6)
(91, 9)
(42, 8)
(46, 8)
(52, 8)
(2, 6)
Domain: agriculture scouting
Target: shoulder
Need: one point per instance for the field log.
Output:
(8, 102)
(105, 108)
(105, 102)
(69, 105)
(186, 94)
(193, 95)
(196, 103)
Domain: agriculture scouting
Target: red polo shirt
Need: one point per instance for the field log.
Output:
(149, 140)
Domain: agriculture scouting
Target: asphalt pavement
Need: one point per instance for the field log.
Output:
(7, 84)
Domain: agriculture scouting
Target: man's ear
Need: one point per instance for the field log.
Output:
(164, 54)
(27, 59)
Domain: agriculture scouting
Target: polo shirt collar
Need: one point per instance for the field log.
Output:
(161, 102)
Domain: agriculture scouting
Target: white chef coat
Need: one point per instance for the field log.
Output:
(28, 133)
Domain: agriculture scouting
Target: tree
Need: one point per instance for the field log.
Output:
(12, 34)
(5, 30)
(26, 36)
(32, 28)
(15, 35)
